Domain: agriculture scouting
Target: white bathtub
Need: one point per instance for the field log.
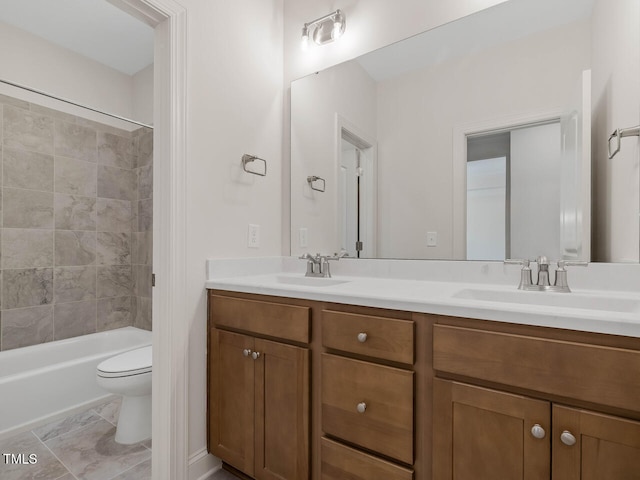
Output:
(46, 380)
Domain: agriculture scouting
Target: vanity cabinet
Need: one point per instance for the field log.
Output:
(258, 395)
(339, 391)
(542, 416)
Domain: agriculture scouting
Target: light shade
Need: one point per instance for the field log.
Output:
(324, 29)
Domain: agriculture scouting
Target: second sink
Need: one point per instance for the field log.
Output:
(550, 299)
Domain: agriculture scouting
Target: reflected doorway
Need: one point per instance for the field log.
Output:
(514, 184)
(356, 195)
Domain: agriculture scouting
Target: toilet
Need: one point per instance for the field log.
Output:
(129, 375)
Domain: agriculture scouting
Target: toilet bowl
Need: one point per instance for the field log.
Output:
(129, 375)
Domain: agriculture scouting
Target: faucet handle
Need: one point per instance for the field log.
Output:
(514, 261)
(525, 273)
(569, 263)
(561, 273)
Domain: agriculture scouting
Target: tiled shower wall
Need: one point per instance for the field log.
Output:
(75, 237)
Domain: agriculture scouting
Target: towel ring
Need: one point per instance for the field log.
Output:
(250, 158)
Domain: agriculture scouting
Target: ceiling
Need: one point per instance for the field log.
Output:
(93, 28)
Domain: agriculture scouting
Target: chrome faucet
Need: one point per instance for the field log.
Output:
(318, 265)
(543, 283)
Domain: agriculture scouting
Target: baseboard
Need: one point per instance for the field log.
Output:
(202, 465)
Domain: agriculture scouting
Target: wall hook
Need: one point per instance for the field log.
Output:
(250, 158)
(313, 179)
(618, 134)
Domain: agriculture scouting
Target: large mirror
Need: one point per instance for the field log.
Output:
(470, 141)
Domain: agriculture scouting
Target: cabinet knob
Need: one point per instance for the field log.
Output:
(361, 407)
(246, 352)
(537, 431)
(362, 337)
(567, 438)
(255, 355)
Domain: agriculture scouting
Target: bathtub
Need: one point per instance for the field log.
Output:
(44, 381)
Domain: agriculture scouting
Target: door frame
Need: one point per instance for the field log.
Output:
(170, 459)
(369, 182)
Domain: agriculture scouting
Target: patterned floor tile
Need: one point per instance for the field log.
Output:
(66, 425)
(91, 452)
(142, 471)
(46, 466)
(109, 410)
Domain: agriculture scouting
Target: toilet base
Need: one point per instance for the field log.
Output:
(134, 421)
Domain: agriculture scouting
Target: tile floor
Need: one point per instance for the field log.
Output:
(81, 446)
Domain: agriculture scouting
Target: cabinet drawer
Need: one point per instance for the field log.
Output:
(289, 322)
(384, 338)
(339, 461)
(591, 373)
(386, 424)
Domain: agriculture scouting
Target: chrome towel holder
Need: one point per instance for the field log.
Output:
(246, 158)
(311, 179)
(618, 134)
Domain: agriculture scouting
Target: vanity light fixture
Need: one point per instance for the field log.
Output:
(324, 29)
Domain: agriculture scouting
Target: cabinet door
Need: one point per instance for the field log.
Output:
(605, 447)
(231, 399)
(282, 411)
(482, 434)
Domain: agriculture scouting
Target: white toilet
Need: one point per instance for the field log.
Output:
(129, 374)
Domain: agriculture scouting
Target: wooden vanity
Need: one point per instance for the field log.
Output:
(304, 389)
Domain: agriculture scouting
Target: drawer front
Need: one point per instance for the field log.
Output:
(384, 396)
(602, 375)
(378, 337)
(278, 320)
(339, 461)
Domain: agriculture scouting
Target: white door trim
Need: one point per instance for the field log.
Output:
(170, 330)
(369, 182)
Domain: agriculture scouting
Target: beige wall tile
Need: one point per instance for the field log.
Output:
(27, 326)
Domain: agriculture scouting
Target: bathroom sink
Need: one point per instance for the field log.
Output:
(551, 299)
(303, 281)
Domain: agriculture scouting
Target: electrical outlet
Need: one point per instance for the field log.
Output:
(303, 237)
(432, 239)
(253, 236)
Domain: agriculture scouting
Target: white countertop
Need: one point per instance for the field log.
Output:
(602, 311)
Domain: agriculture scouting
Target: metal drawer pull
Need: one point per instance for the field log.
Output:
(537, 431)
(362, 407)
(255, 355)
(246, 352)
(567, 438)
(362, 337)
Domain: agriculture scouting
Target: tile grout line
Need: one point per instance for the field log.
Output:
(54, 456)
(130, 468)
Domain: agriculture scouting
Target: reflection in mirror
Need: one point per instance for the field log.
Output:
(423, 104)
(513, 194)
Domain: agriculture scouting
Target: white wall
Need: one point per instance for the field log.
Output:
(32, 61)
(234, 106)
(142, 95)
(616, 104)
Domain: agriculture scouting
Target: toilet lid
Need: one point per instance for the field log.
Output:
(133, 362)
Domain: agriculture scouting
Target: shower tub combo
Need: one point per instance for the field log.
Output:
(45, 381)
